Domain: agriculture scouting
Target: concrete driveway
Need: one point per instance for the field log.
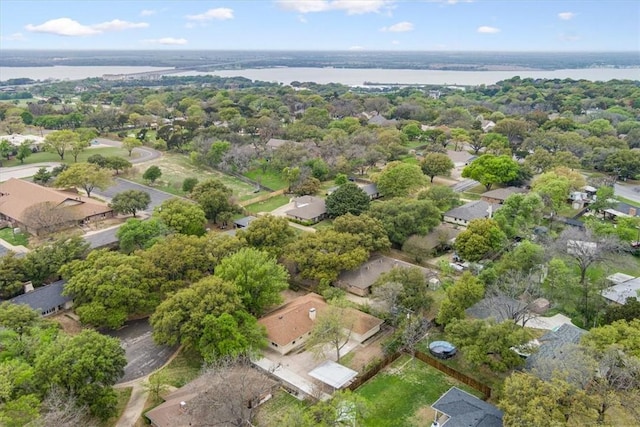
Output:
(143, 355)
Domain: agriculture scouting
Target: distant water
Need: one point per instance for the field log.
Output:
(347, 76)
(356, 77)
(65, 72)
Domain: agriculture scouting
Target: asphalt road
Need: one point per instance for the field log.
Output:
(631, 192)
(464, 185)
(157, 196)
(143, 355)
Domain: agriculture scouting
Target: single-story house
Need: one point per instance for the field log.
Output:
(457, 408)
(308, 208)
(244, 222)
(289, 326)
(47, 299)
(499, 195)
(275, 143)
(358, 282)
(461, 158)
(463, 215)
(38, 209)
(623, 210)
(371, 189)
(190, 404)
(624, 286)
(380, 120)
(552, 345)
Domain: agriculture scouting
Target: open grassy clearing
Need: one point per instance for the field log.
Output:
(123, 394)
(270, 178)
(403, 390)
(177, 167)
(324, 224)
(18, 239)
(183, 368)
(267, 205)
(45, 156)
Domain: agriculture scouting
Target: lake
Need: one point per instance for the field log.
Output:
(347, 76)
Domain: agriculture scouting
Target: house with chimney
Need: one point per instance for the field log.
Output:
(47, 300)
(290, 326)
(463, 215)
(308, 209)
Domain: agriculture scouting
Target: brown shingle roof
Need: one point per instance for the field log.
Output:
(17, 195)
(308, 207)
(292, 319)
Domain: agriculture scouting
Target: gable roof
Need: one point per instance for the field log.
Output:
(371, 189)
(380, 120)
(308, 207)
(245, 221)
(472, 210)
(553, 342)
(503, 193)
(16, 196)
(466, 410)
(275, 143)
(625, 287)
(44, 298)
(498, 307)
(292, 320)
(369, 272)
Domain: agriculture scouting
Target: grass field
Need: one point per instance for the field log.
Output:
(19, 239)
(271, 412)
(268, 205)
(123, 395)
(44, 156)
(183, 368)
(402, 393)
(269, 179)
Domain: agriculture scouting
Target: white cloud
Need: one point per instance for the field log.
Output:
(302, 19)
(71, 28)
(351, 7)
(400, 27)
(219, 14)
(488, 30)
(148, 12)
(450, 1)
(167, 41)
(119, 25)
(15, 37)
(356, 47)
(565, 16)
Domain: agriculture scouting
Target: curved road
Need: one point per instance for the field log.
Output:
(145, 153)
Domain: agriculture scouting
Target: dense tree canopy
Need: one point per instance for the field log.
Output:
(482, 237)
(86, 176)
(130, 202)
(348, 198)
(489, 170)
(404, 217)
(181, 216)
(400, 179)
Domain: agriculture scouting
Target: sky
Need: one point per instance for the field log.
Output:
(423, 25)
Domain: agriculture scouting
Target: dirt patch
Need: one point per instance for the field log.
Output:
(371, 351)
(424, 416)
(69, 325)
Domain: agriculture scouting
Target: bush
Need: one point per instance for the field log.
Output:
(188, 184)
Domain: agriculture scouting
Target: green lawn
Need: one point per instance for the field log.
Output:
(123, 394)
(19, 239)
(268, 205)
(183, 368)
(270, 178)
(45, 156)
(325, 223)
(270, 413)
(397, 393)
(627, 201)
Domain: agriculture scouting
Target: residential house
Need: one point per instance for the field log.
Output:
(457, 408)
(47, 299)
(19, 200)
(461, 158)
(499, 195)
(371, 189)
(554, 344)
(380, 120)
(35, 142)
(275, 143)
(498, 308)
(244, 222)
(487, 125)
(308, 208)
(289, 326)
(359, 281)
(190, 405)
(624, 286)
(622, 210)
(463, 215)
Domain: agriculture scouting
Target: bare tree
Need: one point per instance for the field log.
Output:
(511, 297)
(388, 294)
(61, 409)
(332, 327)
(46, 216)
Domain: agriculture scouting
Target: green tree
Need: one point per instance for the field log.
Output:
(215, 199)
(268, 233)
(466, 291)
(152, 174)
(130, 202)
(41, 264)
(130, 144)
(257, 275)
(489, 170)
(436, 164)
(628, 311)
(136, 234)
(348, 198)
(291, 175)
(514, 129)
(181, 216)
(42, 176)
(86, 365)
(400, 179)
(24, 151)
(442, 196)
(107, 287)
(404, 217)
(60, 141)
(188, 184)
(323, 255)
(230, 336)
(625, 335)
(488, 343)
(482, 236)
(20, 412)
(414, 293)
(604, 199)
(217, 151)
(18, 317)
(77, 147)
(12, 275)
(5, 150)
(371, 232)
(519, 214)
(117, 164)
(86, 176)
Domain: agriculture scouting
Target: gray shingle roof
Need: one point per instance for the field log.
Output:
(623, 289)
(44, 298)
(466, 410)
(552, 344)
(308, 207)
(498, 307)
(244, 222)
(370, 189)
(472, 210)
(503, 193)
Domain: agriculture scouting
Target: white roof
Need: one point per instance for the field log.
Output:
(334, 374)
(17, 139)
(622, 290)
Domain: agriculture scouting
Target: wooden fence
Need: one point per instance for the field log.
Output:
(261, 198)
(465, 379)
(373, 371)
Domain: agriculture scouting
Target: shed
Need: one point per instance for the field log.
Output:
(333, 374)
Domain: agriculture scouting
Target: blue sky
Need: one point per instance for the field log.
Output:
(505, 25)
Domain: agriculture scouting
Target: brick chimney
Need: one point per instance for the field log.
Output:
(632, 211)
(312, 313)
(28, 287)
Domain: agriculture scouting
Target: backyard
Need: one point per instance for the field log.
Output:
(269, 178)
(267, 205)
(17, 239)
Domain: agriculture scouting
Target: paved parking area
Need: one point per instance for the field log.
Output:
(143, 355)
(120, 185)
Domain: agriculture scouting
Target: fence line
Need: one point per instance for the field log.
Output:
(371, 372)
(262, 198)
